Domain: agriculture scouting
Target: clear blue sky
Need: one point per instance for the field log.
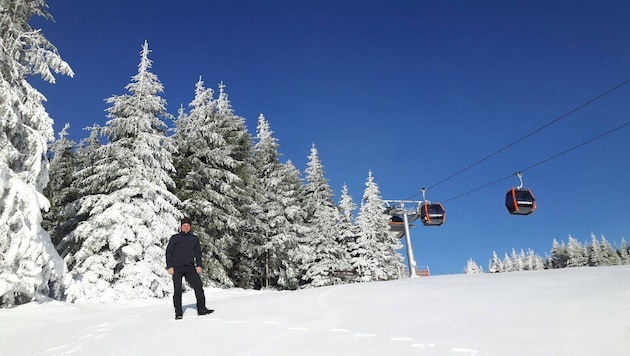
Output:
(412, 90)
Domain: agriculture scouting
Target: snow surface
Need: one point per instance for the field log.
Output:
(573, 311)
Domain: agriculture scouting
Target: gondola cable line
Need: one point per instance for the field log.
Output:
(542, 161)
(572, 111)
(518, 201)
(524, 201)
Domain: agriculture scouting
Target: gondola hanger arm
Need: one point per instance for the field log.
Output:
(520, 178)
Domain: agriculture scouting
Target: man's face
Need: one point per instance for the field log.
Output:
(186, 227)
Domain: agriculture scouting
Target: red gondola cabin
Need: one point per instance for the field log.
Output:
(432, 214)
(520, 201)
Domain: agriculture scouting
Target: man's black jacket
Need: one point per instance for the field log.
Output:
(183, 249)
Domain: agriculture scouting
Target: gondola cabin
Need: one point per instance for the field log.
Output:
(520, 201)
(432, 214)
(397, 224)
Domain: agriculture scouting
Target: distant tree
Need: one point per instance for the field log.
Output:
(532, 261)
(118, 252)
(577, 255)
(559, 255)
(472, 267)
(624, 252)
(324, 252)
(508, 263)
(595, 257)
(377, 258)
(609, 255)
(539, 263)
(517, 260)
(29, 264)
(496, 265)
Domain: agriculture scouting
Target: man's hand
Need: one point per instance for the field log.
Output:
(198, 270)
(171, 271)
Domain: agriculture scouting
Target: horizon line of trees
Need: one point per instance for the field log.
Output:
(112, 200)
(573, 254)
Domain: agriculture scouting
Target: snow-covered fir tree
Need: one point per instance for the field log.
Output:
(85, 157)
(496, 265)
(574, 254)
(118, 252)
(29, 264)
(321, 251)
(577, 254)
(595, 257)
(348, 231)
(609, 255)
(624, 252)
(213, 173)
(559, 255)
(472, 267)
(376, 254)
(61, 192)
(520, 261)
(292, 197)
(279, 210)
(517, 260)
(535, 262)
(531, 261)
(508, 263)
(240, 148)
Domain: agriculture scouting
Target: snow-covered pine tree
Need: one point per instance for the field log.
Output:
(517, 260)
(529, 260)
(496, 265)
(86, 155)
(241, 154)
(609, 256)
(214, 176)
(595, 257)
(348, 231)
(29, 264)
(61, 193)
(624, 252)
(577, 254)
(472, 267)
(534, 262)
(118, 252)
(559, 255)
(277, 204)
(377, 258)
(321, 250)
(508, 264)
(291, 195)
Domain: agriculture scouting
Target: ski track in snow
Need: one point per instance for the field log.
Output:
(321, 328)
(97, 332)
(355, 320)
(286, 331)
(326, 326)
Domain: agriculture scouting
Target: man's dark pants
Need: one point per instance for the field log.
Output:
(193, 279)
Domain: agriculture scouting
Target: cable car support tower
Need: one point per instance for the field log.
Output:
(404, 213)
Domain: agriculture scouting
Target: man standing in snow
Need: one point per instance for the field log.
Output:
(183, 259)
